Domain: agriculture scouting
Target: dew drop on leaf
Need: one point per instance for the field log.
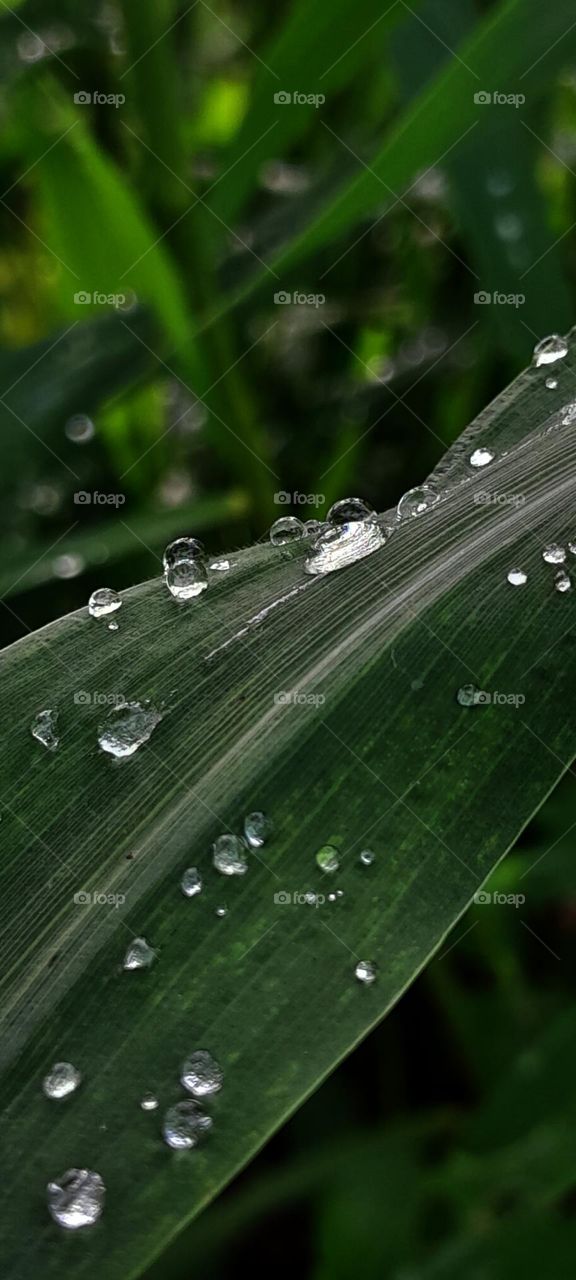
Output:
(149, 1102)
(286, 529)
(257, 829)
(367, 857)
(339, 546)
(549, 350)
(44, 729)
(61, 1080)
(185, 568)
(554, 553)
(481, 458)
(103, 602)
(327, 859)
(140, 955)
(366, 972)
(230, 856)
(416, 501)
(185, 1124)
(347, 510)
(562, 582)
(517, 577)
(76, 1199)
(551, 383)
(201, 1074)
(191, 882)
(126, 727)
(467, 695)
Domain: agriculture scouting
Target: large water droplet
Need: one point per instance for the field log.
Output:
(185, 568)
(554, 553)
(517, 577)
(342, 545)
(417, 501)
(481, 458)
(366, 972)
(347, 510)
(139, 955)
(257, 829)
(149, 1102)
(76, 1199)
(126, 727)
(185, 1125)
(104, 602)
(191, 882)
(44, 730)
(286, 529)
(61, 1080)
(230, 856)
(328, 859)
(562, 582)
(367, 857)
(549, 350)
(201, 1074)
(468, 695)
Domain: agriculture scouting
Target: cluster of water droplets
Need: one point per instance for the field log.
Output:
(185, 568)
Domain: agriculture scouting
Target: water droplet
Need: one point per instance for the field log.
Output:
(61, 1080)
(79, 429)
(568, 414)
(103, 602)
(201, 1074)
(417, 501)
(328, 859)
(517, 577)
(43, 729)
(149, 1102)
(348, 510)
(185, 571)
(126, 727)
(185, 1125)
(481, 458)
(554, 554)
(367, 857)
(221, 912)
(76, 1199)
(562, 582)
(366, 972)
(70, 566)
(468, 695)
(286, 529)
(551, 383)
(341, 545)
(572, 548)
(139, 955)
(549, 350)
(220, 566)
(112, 626)
(312, 527)
(191, 882)
(257, 829)
(230, 856)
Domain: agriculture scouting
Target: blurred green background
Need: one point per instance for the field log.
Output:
(160, 200)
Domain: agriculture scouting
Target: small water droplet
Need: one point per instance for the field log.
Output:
(149, 1102)
(328, 859)
(366, 972)
(185, 571)
(562, 582)
(191, 882)
(201, 1074)
(257, 829)
(554, 553)
(312, 527)
(220, 566)
(139, 955)
(416, 501)
(367, 857)
(551, 383)
(517, 577)
(549, 350)
(286, 529)
(126, 727)
(76, 1199)
(339, 546)
(569, 414)
(103, 602)
(481, 458)
(61, 1080)
(112, 626)
(572, 548)
(44, 730)
(348, 510)
(468, 695)
(185, 1125)
(230, 855)
(221, 912)
(79, 429)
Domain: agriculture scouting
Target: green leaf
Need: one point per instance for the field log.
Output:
(329, 703)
